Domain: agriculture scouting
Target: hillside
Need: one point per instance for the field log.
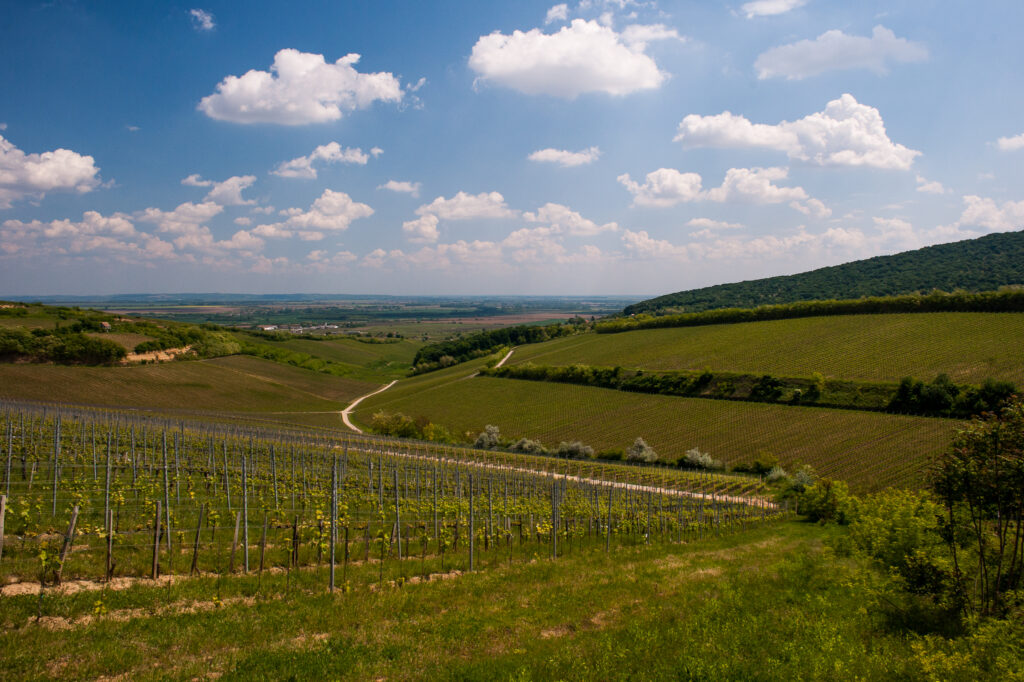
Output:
(969, 347)
(981, 264)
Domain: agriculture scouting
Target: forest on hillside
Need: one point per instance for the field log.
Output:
(983, 264)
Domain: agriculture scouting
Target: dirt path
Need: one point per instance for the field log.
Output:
(507, 356)
(348, 410)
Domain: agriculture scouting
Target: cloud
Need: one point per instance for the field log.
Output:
(422, 229)
(99, 236)
(834, 51)
(664, 187)
(709, 224)
(202, 20)
(187, 223)
(564, 158)
(474, 255)
(934, 187)
(765, 8)
(642, 245)
(302, 167)
(636, 36)
(331, 212)
(984, 212)
(300, 88)
(401, 186)
(563, 220)
(557, 13)
(580, 58)
(33, 175)
(667, 187)
(1010, 144)
(464, 206)
(243, 221)
(847, 133)
(226, 193)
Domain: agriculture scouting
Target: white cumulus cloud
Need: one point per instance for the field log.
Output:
(929, 187)
(834, 50)
(33, 175)
(557, 13)
(422, 229)
(1011, 144)
(565, 158)
(226, 193)
(846, 133)
(709, 224)
(766, 8)
(331, 212)
(465, 206)
(582, 57)
(563, 220)
(667, 187)
(332, 152)
(300, 88)
(986, 213)
(202, 20)
(402, 187)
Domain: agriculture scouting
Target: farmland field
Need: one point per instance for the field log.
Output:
(229, 384)
(370, 361)
(969, 347)
(867, 449)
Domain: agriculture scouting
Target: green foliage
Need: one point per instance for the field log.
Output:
(941, 398)
(982, 264)
(827, 501)
(763, 464)
(66, 347)
(402, 426)
(980, 481)
(937, 301)
(447, 353)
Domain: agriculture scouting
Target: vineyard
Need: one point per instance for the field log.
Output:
(102, 496)
(969, 347)
(868, 450)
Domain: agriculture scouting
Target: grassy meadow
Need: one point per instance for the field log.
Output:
(969, 347)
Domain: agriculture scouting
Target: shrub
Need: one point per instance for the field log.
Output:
(827, 501)
(640, 451)
(695, 459)
(575, 450)
(489, 438)
(531, 447)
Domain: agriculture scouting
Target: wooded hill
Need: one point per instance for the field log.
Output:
(982, 264)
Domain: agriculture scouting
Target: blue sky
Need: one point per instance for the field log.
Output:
(595, 147)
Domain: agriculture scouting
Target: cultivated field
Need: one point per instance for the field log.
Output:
(869, 450)
(370, 361)
(236, 384)
(969, 347)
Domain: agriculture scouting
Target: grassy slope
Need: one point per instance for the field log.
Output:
(371, 361)
(970, 347)
(230, 384)
(764, 604)
(869, 450)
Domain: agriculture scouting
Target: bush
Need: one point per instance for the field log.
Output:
(776, 474)
(827, 501)
(530, 447)
(695, 459)
(575, 450)
(489, 438)
(640, 451)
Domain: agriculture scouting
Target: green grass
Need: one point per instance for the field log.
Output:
(125, 339)
(376, 362)
(970, 347)
(769, 603)
(224, 385)
(869, 450)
